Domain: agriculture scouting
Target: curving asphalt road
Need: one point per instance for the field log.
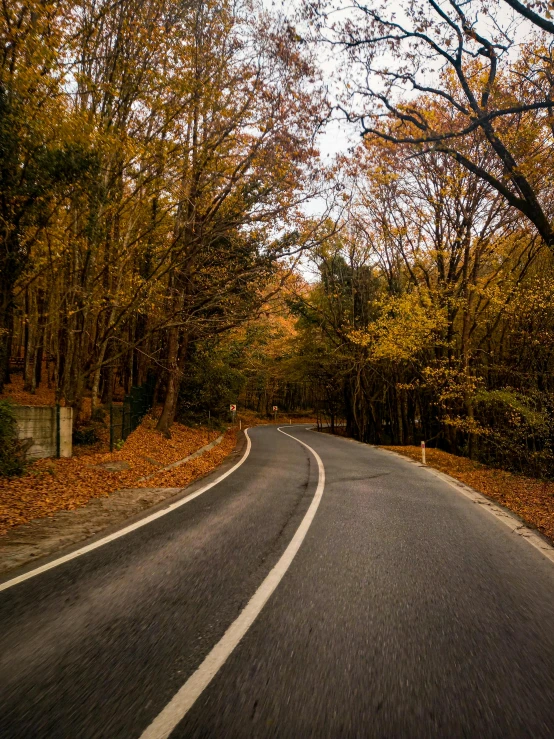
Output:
(407, 611)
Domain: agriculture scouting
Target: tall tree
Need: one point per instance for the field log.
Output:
(447, 76)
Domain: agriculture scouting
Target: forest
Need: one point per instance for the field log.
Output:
(167, 215)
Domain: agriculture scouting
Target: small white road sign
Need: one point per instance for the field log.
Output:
(232, 407)
(275, 408)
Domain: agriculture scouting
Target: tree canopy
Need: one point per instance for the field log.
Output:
(166, 216)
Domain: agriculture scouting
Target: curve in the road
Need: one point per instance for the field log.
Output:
(405, 612)
(184, 699)
(127, 529)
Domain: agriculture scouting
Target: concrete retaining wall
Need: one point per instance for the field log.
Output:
(38, 422)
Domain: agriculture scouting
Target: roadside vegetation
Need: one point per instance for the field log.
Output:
(433, 316)
(153, 173)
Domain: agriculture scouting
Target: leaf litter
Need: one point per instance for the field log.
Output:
(52, 485)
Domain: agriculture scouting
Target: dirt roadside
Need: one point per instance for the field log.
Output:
(55, 533)
(60, 503)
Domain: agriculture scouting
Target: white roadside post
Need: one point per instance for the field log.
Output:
(423, 452)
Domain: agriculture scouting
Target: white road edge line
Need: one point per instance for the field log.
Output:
(184, 699)
(127, 529)
(513, 522)
(505, 516)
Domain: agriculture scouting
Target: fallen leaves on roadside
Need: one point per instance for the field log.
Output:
(52, 485)
(530, 498)
(14, 392)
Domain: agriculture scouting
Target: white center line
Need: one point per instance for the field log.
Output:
(127, 529)
(184, 699)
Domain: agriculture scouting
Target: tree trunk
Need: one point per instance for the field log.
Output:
(399, 419)
(30, 370)
(5, 331)
(97, 375)
(173, 384)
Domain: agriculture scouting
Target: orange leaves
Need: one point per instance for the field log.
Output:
(14, 392)
(52, 485)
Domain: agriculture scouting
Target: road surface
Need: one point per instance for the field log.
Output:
(394, 607)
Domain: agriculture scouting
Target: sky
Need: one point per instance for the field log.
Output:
(339, 136)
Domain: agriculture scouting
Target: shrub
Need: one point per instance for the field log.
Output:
(209, 384)
(12, 453)
(99, 415)
(520, 433)
(86, 435)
